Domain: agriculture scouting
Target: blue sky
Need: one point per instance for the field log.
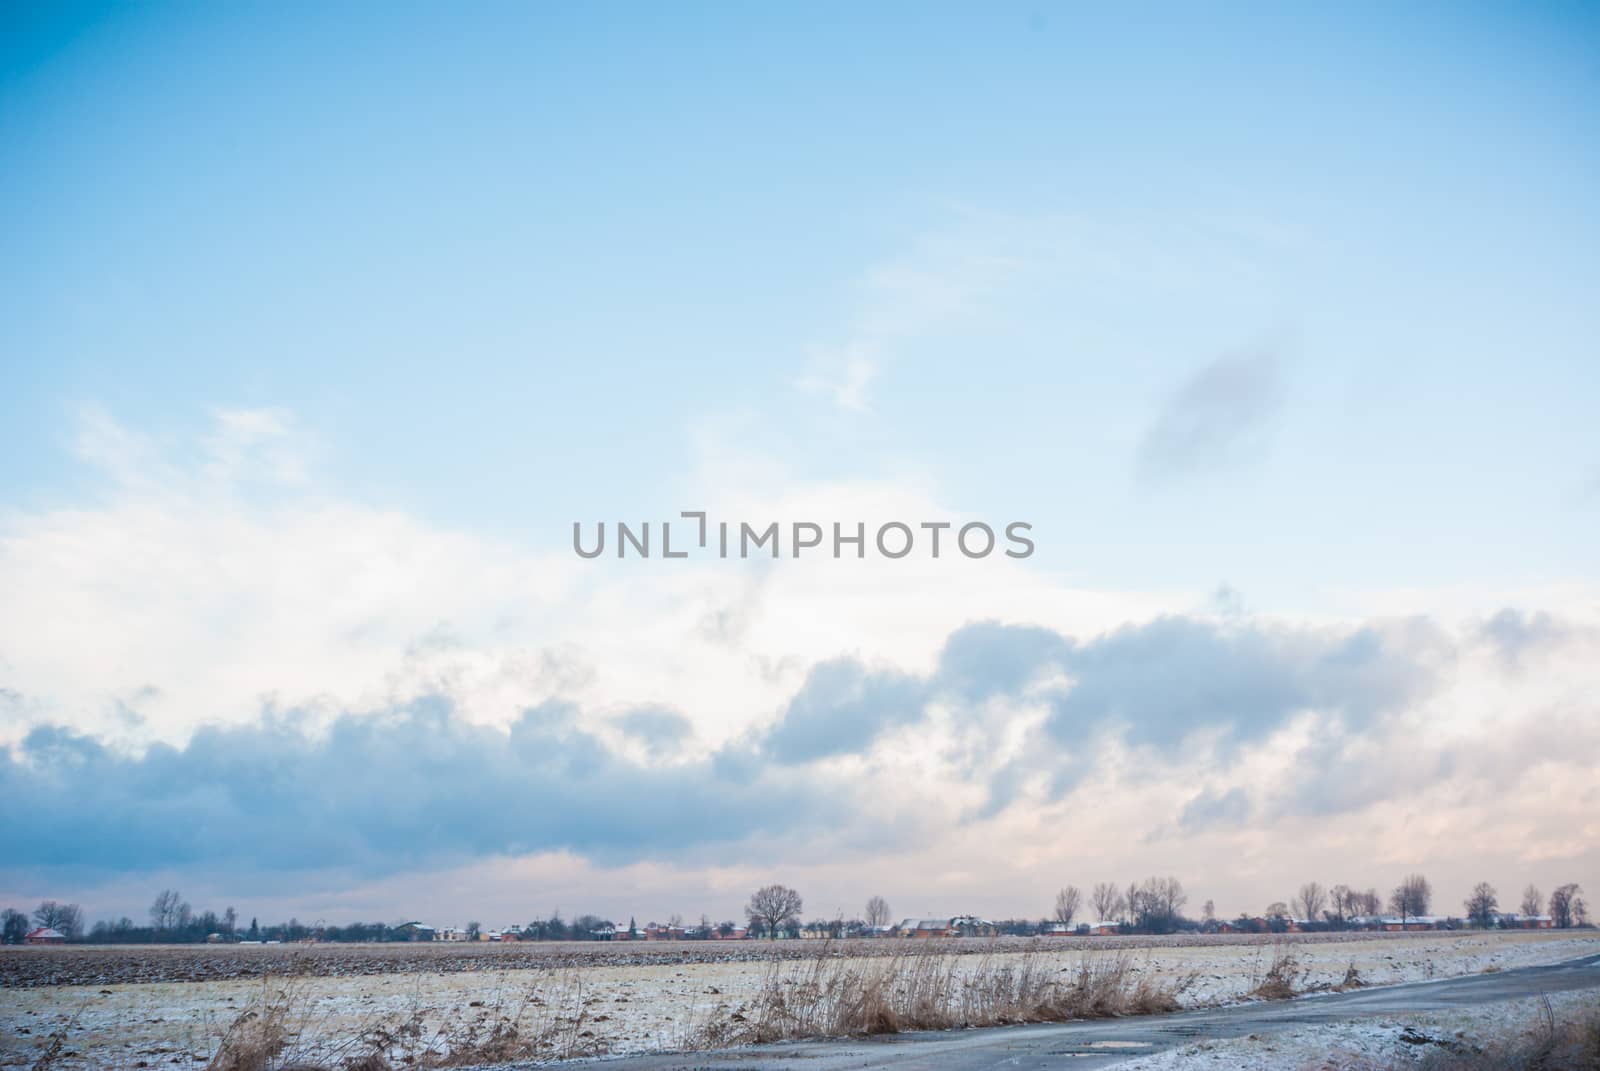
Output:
(465, 248)
(1297, 300)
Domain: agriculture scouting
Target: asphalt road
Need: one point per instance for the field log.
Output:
(1102, 1043)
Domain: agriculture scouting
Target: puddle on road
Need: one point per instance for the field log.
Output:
(1096, 1048)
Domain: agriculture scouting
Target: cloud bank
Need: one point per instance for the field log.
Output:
(219, 671)
(419, 785)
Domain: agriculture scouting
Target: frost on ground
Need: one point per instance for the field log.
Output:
(1377, 1044)
(601, 1005)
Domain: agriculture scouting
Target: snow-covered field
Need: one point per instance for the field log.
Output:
(607, 1007)
(1383, 1042)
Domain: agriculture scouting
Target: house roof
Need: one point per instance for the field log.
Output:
(48, 933)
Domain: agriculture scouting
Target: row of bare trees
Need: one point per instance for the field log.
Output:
(1567, 906)
(65, 919)
(1154, 905)
(1412, 897)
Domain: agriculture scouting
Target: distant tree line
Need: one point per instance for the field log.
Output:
(171, 920)
(1153, 906)
(1333, 909)
(581, 928)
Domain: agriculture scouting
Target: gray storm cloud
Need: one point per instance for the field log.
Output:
(419, 785)
(1221, 416)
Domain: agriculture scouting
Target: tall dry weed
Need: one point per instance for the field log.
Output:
(929, 989)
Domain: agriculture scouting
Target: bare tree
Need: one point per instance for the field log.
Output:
(1339, 905)
(13, 926)
(1532, 901)
(772, 906)
(1156, 905)
(877, 911)
(1365, 903)
(1481, 905)
(65, 919)
(1310, 901)
(1209, 911)
(1107, 901)
(1567, 906)
(167, 909)
(1067, 904)
(1410, 898)
(1277, 910)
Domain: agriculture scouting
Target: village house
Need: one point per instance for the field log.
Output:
(1397, 924)
(955, 926)
(1508, 920)
(44, 935)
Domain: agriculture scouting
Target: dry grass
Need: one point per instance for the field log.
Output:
(1284, 974)
(52, 1052)
(1352, 979)
(278, 1031)
(1545, 1045)
(832, 996)
(281, 1032)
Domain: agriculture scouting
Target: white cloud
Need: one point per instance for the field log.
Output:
(184, 586)
(942, 278)
(182, 597)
